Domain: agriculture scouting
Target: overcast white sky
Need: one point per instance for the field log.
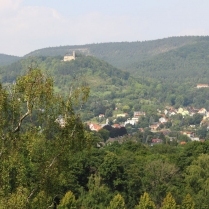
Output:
(27, 25)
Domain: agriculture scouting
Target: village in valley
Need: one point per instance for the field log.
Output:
(180, 125)
(188, 124)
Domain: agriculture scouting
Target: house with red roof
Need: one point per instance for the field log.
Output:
(94, 127)
(202, 111)
(154, 127)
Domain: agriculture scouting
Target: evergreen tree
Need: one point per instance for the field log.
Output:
(187, 202)
(146, 202)
(169, 202)
(117, 202)
(68, 201)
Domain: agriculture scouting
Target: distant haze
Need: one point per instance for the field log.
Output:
(27, 25)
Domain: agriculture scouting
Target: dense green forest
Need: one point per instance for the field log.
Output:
(188, 63)
(49, 159)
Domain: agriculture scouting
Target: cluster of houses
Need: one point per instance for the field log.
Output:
(168, 112)
(97, 127)
(165, 117)
(134, 120)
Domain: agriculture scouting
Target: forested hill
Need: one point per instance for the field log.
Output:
(108, 83)
(187, 63)
(7, 59)
(122, 54)
(103, 78)
(164, 59)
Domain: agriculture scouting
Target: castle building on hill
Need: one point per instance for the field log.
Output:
(68, 57)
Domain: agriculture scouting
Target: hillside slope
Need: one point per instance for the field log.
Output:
(7, 59)
(108, 85)
(103, 79)
(187, 63)
(122, 54)
(149, 90)
(184, 58)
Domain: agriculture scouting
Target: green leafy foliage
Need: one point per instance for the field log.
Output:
(98, 195)
(112, 171)
(36, 147)
(197, 179)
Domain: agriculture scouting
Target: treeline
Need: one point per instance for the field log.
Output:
(163, 175)
(145, 202)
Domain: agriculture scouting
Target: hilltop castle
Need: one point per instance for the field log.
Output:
(68, 57)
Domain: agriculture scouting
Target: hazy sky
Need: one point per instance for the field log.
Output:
(27, 25)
